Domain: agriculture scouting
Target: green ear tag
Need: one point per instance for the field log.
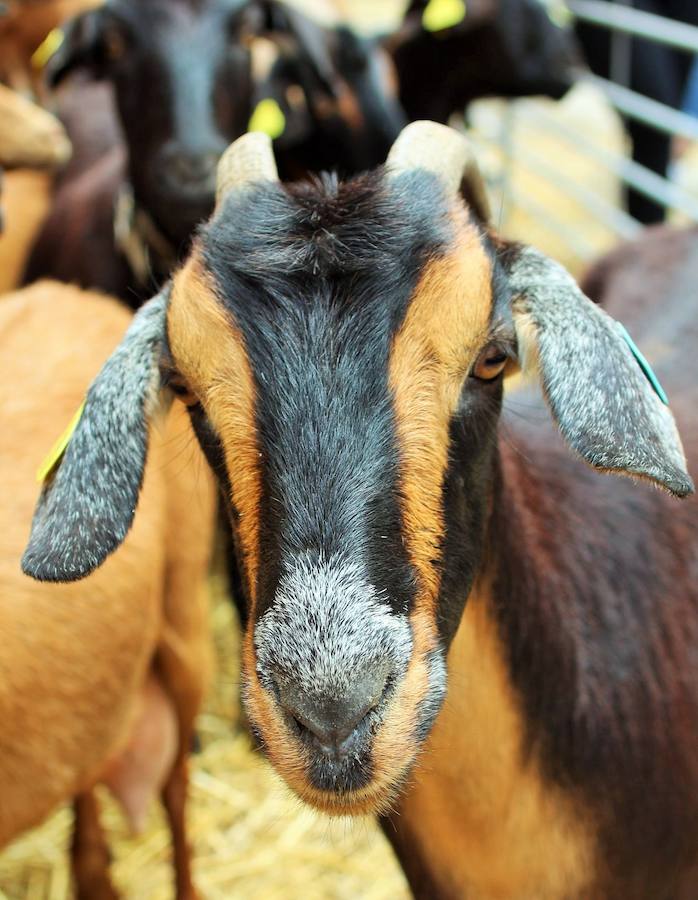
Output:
(268, 117)
(644, 365)
(59, 448)
(442, 14)
(47, 48)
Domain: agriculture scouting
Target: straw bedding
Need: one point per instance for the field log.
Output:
(252, 839)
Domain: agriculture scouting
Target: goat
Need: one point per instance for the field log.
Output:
(337, 92)
(342, 349)
(505, 48)
(102, 679)
(183, 88)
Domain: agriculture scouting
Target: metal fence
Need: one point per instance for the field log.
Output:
(624, 23)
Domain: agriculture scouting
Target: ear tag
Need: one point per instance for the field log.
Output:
(268, 117)
(47, 48)
(644, 365)
(442, 14)
(59, 448)
(559, 13)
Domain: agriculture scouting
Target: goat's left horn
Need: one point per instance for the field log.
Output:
(247, 160)
(445, 152)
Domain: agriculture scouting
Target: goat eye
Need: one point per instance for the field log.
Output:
(174, 381)
(490, 363)
(187, 396)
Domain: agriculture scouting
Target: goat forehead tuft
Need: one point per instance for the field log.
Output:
(326, 228)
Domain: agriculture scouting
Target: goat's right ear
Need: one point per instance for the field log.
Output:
(87, 504)
(81, 48)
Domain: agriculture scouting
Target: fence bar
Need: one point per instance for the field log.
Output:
(645, 181)
(617, 220)
(642, 108)
(574, 238)
(640, 24)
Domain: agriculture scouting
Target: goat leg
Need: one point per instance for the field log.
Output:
(174, 798)
(89, 852)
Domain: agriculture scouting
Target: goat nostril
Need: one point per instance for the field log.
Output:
(333, 724)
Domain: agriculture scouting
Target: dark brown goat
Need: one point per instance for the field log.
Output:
(180, 72)
(505, 48)
(342, 348)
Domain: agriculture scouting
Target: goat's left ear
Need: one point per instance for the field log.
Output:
(605, 406)
(87, 504)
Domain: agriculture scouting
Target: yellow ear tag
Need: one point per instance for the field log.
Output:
(269, 118)
(47, 48)
(442, 14)
(559, 14)
(59, 448)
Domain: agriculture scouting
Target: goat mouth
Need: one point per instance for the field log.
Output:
(354, 785)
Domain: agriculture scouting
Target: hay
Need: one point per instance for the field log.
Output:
(252, 839)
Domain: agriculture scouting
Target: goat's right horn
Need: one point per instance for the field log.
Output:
(444, 152)
(247, 160)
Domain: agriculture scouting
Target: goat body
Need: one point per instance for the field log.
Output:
(101, 679)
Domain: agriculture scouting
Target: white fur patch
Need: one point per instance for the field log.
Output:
(327, 624)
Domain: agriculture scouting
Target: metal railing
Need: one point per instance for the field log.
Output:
(625, 23)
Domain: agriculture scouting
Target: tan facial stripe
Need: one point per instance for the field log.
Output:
(485, 820)
(444, 328)
(209, 352)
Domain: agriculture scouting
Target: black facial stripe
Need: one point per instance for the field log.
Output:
(319, 349)
(467, 489)
(213, 451)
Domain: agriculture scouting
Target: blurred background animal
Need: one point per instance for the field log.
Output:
(182, 82)
(34, 142)
(503, 48)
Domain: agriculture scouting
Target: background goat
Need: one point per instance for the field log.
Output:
(183, 88)
(504, 48)
(99, 680)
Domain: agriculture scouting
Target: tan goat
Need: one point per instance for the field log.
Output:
(100, 680)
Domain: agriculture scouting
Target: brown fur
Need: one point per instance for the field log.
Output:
(218, 372)
(478, 816)
(25, 199)
(76, 657)
(211, 357)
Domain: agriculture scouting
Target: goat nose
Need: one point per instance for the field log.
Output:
(333, 722)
